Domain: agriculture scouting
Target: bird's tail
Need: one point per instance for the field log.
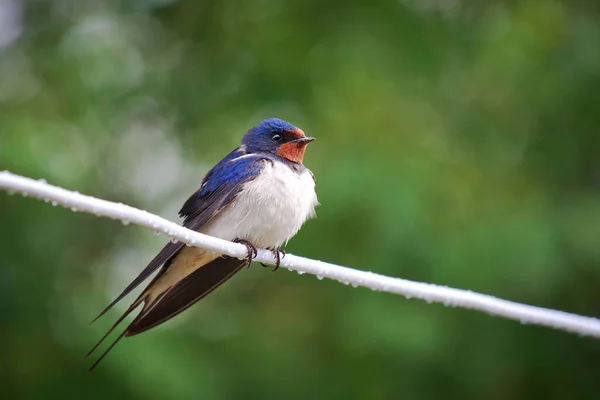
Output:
(172, 301)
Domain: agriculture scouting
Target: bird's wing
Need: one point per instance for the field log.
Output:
(219, 187)
(185, 293)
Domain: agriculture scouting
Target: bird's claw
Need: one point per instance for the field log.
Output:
(252, 252)
(279, 255)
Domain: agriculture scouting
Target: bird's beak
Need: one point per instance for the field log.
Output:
(303, 140)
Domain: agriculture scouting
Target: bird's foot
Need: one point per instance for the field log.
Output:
(252, 252)
(279, 255)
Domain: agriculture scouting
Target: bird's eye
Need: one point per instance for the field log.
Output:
(276, 137)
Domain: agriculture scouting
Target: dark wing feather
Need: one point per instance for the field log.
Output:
(185, 293)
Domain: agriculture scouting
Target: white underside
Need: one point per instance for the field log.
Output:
(267, 212)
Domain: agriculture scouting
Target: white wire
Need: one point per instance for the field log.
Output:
(585, 326)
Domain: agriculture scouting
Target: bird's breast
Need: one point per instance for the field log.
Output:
(269, 209)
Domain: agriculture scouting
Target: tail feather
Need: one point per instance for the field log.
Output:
(162, 258)
(112, 328)
(174, 300)
(113, 344)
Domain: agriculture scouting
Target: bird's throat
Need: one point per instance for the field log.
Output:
(293, 151)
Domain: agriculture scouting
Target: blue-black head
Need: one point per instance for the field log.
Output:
(279, 137)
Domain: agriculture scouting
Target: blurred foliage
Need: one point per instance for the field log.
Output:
(458, 144)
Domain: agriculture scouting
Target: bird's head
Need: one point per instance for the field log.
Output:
(279, 137)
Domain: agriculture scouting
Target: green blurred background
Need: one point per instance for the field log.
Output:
(458, 144)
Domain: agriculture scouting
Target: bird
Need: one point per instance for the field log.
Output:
(259, 195)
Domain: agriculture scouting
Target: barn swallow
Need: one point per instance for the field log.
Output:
(259, 195)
